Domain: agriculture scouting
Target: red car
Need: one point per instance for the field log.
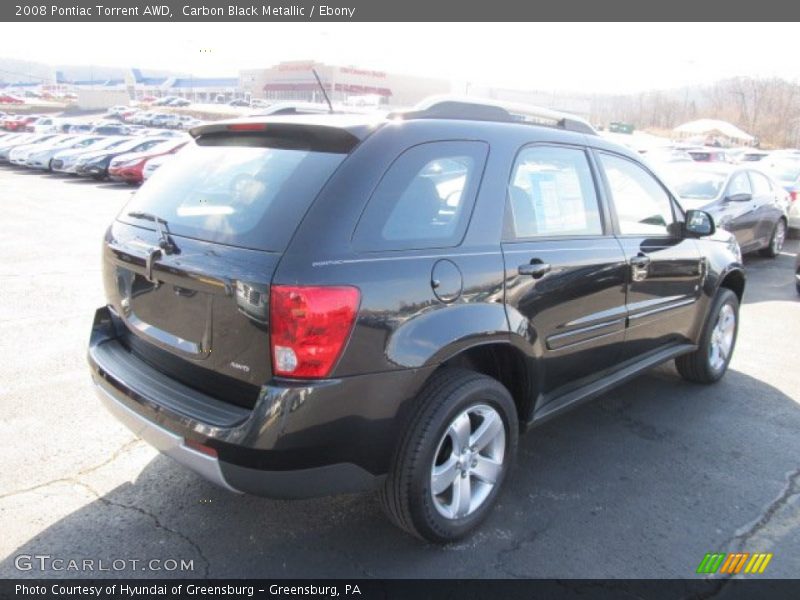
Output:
(129, 167)
(19, 122)
(9, 99)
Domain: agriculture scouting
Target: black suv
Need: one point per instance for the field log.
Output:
(317, 304)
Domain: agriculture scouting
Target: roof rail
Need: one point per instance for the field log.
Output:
(479, 109)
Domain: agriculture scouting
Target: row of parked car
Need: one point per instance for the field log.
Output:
(125, 158)
(152, 118)
(52, 124)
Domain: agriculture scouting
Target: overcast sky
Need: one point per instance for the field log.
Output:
(587, 57)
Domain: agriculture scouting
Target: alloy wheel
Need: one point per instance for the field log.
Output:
(468, 461)
(722, 337)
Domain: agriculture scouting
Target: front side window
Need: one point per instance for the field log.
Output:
(761, 185)
(552, 193)
(425, 198)
(643, 206)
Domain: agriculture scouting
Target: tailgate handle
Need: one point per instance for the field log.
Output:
(153, 256)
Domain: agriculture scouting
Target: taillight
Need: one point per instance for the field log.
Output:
(309, 326)
(793, 195)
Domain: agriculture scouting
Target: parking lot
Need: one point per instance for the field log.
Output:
(640, 483)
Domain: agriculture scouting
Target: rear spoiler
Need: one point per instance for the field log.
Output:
(277, 134)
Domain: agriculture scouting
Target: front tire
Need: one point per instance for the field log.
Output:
(454, 457)
(776, 241)
(710, 361)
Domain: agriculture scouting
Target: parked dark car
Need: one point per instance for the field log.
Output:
(96, 163)
(321, 304)
(744, 201)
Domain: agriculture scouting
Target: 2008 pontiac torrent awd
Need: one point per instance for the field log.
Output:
(320, 304)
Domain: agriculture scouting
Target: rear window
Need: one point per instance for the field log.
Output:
(252, 197)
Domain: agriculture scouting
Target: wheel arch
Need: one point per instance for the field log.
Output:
(503, 361)
(734, 280)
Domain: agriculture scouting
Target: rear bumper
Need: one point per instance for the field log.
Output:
(300, 440)
(163, 440)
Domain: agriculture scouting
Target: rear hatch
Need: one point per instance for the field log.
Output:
(189, 260)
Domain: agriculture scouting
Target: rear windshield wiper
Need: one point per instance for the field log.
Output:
(165, 243)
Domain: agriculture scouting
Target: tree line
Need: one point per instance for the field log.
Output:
(768, 108)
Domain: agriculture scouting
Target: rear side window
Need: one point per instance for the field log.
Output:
(247, 196)
(425, 198)
(552, 194)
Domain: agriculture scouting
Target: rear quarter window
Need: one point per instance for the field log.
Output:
(424, 199)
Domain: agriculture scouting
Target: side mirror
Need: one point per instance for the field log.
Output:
(743, 197)
(699, 223)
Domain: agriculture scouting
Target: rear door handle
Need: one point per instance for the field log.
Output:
(640, 260)
(534, 269)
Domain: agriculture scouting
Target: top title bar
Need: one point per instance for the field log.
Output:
(398, 10)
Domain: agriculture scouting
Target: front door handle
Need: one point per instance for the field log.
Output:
(534, 269)
(640, 265)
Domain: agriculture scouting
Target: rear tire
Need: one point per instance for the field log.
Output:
(710, 361)
(776, 241)
(453, 459)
